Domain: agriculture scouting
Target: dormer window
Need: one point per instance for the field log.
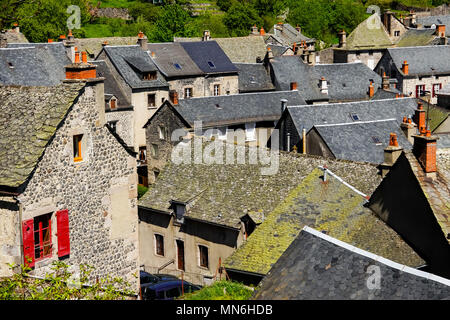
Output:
(149, 75)
(112, 103)
(179, 210)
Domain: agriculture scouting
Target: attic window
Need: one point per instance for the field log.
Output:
(177, 66)
(149, 75)
(211, 65)
(10, 65)
(218, 107)
(376, 140)
(354, 117)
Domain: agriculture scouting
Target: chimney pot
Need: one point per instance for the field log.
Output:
(371, 90)
(77, 57)
(293, 86)
(393, 140)
(440, 30)
(50, 40)
(84, 56)
(262, 32)
(405, 68)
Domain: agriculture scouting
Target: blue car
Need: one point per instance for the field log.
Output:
(167, 290)
(146, 277)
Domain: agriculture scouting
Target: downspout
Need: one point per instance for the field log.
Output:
(304, 140)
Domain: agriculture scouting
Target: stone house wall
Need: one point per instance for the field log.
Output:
(10, 242)
(100, 193)
(124, 125)
(204, 86)
(409, 84)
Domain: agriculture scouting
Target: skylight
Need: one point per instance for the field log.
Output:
(177, 66)
(354, 117)
(376, 140)
(211, 64)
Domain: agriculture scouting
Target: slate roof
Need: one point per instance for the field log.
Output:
(417, 37)
(288, 35)
(128, 60)
(93, 46)
(254, 77)
(31, 64)
(329, 206)
(209, 57)
(237, 108)
(426, 60)
(383, 94)
(278, 50)
(305, 117)
(223, 193)
(29, 117)
(319, 267)
(12, 36)
(238, 49)
(347, 81)
(362, 140)
(444, 143)
(369, 34)
(437, 191)
(428, 21)
(112, 87)
(437, 115)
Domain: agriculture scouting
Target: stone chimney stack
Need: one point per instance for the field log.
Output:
(255, 30)
(385, 83)
(16, 27)
(69, 44)
(323, 85)
(206, 35)
(142, 41)
(408, 128)
(3, 40)
(283, 105)
(299, 30)
(342, 39)
(424, 149)
(391, 154)
(405, 68)
(419, 118)
(269, 54)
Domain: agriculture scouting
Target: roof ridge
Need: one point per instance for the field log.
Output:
(356, 122)
(350, 102)
(377, 258)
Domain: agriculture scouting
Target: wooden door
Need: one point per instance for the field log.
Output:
(180, 254)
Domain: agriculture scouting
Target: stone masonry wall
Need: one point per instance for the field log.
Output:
(99, 192)
(124, 126)
(9, 235)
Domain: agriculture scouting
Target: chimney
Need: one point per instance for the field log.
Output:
(299, 30)
(293, 86)
(70, 36)
(279, 26)
(269, 53)
(294, 48)
(105, 43)
(405, 68)
(408, 129)
(440, 30)
(424, 149)
(142, 41)
(3, 40)
(16, 27)
(255, 30)
(206, 35)
(311, 57)
(342, 39)
(323, 85)
(81, 71)
(173, 96)
(386, 84)
(387, 21)
(283, 105)
(371, 90)
(413, 17)
(262, 32)
(50, 40)
(62, 38)
(391, 154)
(419, 118)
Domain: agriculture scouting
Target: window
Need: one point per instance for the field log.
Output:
(155, 151)
(354, 117)
(113, 125)
(151, 100)
(420, 90)
(162, 133)
(397, 33)
(250, 131)
(180, 254)
(112, 104)
(436, 88)
(203, 251)
(159, 244)
(42, 237)
(143, 154)
(217, 89)
(77, 148)
(376, 140)
(211, 65)
(177, 66)
(188, 93)
(149, 75)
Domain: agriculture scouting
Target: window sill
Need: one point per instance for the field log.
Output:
(203, 268)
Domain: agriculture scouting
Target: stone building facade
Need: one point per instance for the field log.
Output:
(97, 193)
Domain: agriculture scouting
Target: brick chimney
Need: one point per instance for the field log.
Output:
(293, 86)
(342, 39)
(419, 118)
(424, 149)
(173, 96)
(50, 40)
(405, 68)
(262, 32)
(371, 90)
(62, 38)
(408, 128)
(386, 84)
(391, 154)
(440, 30)
(3, 40)
(269, 53)
(142, 41)
(206, 35)
(16, 27)
(81, 70)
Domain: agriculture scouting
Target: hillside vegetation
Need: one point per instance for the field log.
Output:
(321, 19)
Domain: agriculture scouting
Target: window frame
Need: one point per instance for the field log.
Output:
(216, 90)
(161, 246)
(201, 256)
(41, 242)
(191, 92)
(162, 133)
(433, 89)
(418, 91)
(149, 105)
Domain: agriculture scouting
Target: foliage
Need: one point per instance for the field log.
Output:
(240, 18)
(60, 285)
(148, 11)
(213, 23)
(141, 191)
(221, 290)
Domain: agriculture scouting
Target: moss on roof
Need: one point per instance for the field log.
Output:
(369, 34)
(29, 117)
(415, 38)
(326, 206)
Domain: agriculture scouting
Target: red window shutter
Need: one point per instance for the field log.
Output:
(62, 222)
(28, 241)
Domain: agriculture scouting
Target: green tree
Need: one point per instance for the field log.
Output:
(173, 21)
(213, 23)
(148, 11)
(240, 18)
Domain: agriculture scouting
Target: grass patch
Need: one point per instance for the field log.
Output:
(222, 290)
(141, 191)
